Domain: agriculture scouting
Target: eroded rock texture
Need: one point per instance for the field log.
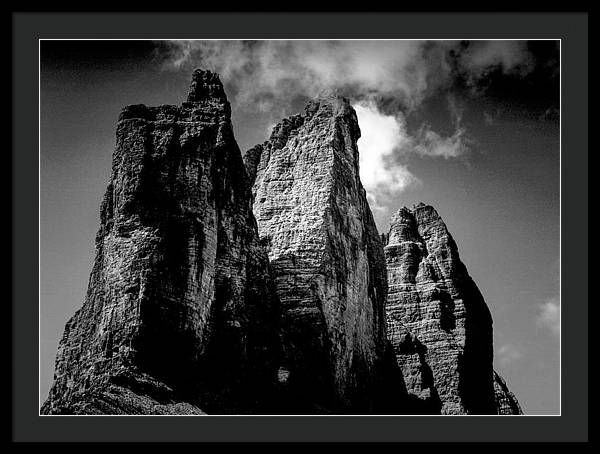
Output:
(184, 314)
(326, 255)
(438, 322)
(506, 402)
(180, 314)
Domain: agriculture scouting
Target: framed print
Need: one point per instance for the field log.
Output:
(235, 227)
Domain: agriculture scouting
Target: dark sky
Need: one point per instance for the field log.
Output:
(471, 128)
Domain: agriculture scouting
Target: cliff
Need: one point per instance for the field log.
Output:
(438, 322)
(506, 402)
(180, 315)
(225, 285)
(327, 258)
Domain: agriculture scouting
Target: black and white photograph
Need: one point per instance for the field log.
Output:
(300, 227)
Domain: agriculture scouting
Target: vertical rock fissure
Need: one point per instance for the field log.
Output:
(433, 302)
(312, 210)
(260, 284)
(180, 314)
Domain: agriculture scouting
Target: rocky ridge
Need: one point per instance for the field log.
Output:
(261, 285)
(506, 402)
(438, 322)
(326, 255)
(180, 315)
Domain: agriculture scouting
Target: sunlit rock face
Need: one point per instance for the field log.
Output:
(327, 258)
(180, 315)
(223, 285)
(438, 322)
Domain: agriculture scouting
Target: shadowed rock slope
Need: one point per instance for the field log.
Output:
(180, 316)
(327, 259)
(223, 285)
(506, 402)
(438, 322)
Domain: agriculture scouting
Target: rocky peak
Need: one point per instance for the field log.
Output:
(180, 315)
(260, 285)
(432, 296)
(329, 116)
(326, 256)
(333, 105)
(206, 86)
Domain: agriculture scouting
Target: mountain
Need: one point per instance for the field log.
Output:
(506, 402)
(438, 322)
(180, 314)
(260, 285)
(326, 255)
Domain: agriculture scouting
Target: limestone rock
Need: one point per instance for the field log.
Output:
(506, 401)
(223, 285)
(326, 255)
(438, 322)
(180, 312)
(123, 394)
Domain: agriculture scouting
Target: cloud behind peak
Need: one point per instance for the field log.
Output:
(386, 80)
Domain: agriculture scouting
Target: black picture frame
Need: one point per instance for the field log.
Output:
(570, 28)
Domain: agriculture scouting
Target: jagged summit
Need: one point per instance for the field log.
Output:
(432, 296)
(329, 92)
(333, 116)
(180, 314)
(333, 104)
(418, 205)
(404, 224)
(407, 211)
(206, 85)
(206, 99)
(223, 285)
(326, 255)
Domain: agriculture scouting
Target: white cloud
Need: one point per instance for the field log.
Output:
(507, 354)
(549, 315)
(408, 71)
(267, 75)
(385, 142)
(381, 136)
(428, 142)
(510, 57)
(432, 144)
(265, 70)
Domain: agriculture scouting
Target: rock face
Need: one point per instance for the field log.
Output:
(327, 258)
(180, 314)
(506, 402)
(438, 322)
(260, 286)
